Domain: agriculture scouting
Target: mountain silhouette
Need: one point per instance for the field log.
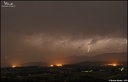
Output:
(34, 64)
(101, 57)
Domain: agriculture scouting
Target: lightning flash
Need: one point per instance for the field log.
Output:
(88, 48)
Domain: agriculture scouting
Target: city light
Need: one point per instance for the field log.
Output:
(59, 65)
(51, 65)
(13, 66)
(114, 64)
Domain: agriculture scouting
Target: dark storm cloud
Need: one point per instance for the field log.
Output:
(72, 18)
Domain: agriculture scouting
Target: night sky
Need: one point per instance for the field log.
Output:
(45, 30)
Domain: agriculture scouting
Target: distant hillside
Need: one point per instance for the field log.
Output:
(78, 59)
(102, 57)
(34, 64)
(72, 59)
(110, 57)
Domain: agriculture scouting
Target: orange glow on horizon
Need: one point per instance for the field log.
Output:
(59, 65)
(51, 65)
(13, 66)
(114, 64)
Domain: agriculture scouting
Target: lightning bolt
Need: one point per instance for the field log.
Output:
(88, 48)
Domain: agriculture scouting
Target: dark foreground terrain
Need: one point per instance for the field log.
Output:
(65, 73)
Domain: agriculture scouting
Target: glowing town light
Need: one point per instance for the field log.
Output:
(114, 64)
(51, 65)
(59, 65)
(13, 66)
